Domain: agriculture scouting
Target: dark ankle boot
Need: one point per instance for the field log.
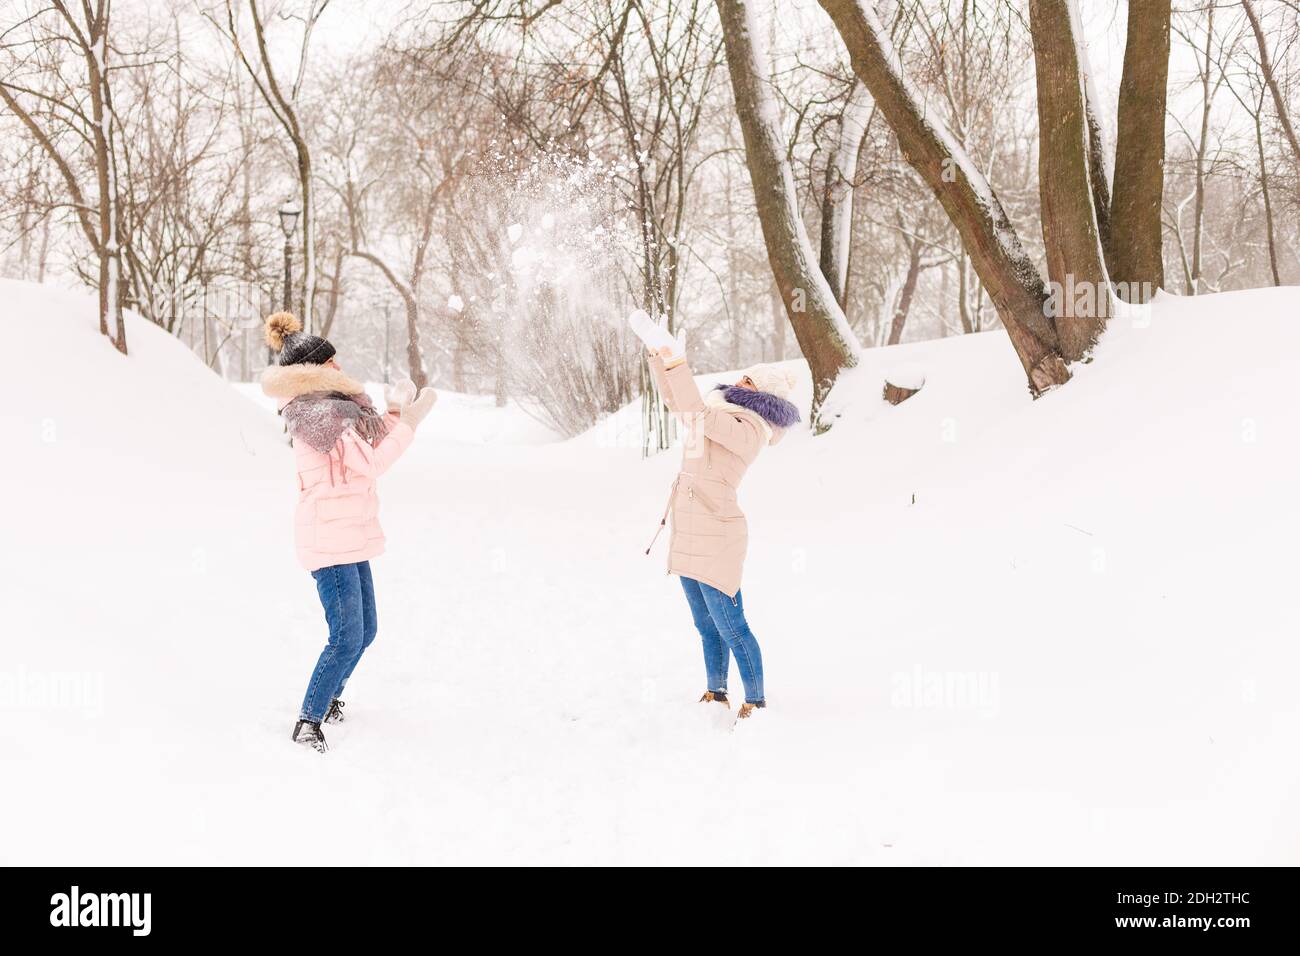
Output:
(308, 733)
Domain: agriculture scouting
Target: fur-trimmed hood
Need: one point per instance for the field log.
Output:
(320, 403)
(775, 413)
(287, 382)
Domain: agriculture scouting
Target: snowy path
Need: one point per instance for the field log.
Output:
(1041, 660)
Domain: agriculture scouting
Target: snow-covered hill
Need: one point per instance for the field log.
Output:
(995, 630)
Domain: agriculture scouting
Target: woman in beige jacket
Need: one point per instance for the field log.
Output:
(725, 431)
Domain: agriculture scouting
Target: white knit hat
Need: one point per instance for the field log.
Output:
(771, 378)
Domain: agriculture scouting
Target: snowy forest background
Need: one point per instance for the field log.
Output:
(486, 188)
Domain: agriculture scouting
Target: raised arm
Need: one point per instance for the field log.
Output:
(664, 375)
(680, 391)
(359, 458)
(739, 433)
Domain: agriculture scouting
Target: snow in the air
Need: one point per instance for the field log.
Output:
(995, 630)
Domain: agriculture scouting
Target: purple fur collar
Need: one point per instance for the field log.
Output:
(773, 409)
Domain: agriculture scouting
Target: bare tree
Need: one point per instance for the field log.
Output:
(824, 336)
(1011, 278)
(82, 108)
(284, 103)
(1270, 78)
(1210, 77)
(179, 193)
(28, 201)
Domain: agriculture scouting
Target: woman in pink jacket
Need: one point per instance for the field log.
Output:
(725, 431)
(341, 445)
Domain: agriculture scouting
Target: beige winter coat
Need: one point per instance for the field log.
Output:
(709, 533)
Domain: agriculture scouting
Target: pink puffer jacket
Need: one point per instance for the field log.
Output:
(337, 518)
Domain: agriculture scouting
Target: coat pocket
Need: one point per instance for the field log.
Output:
(340, 524)
(341, 508)
(714, 498)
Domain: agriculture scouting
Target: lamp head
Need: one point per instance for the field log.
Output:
(289, 219)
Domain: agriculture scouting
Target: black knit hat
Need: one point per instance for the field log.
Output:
(284, 334)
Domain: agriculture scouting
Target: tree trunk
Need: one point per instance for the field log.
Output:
(307, 304)
(837, 196)
(778, 326)
(1098, 171)
(43, 257)
(731, 305)
(1012, 279)
(824, 336)
(501, 370)
(1099, 154)
(905, 296)
(414, 360)
(1075, 263)
(110, 260)
(335, 294)
(1202, 147)
(25, 220)
(1266, 65)
(1269, 230)
(963, 296)
(458, 364)
(1135, 252)
(100, 143)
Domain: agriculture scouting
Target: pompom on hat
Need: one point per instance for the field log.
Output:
(771, 379)
(284, 334)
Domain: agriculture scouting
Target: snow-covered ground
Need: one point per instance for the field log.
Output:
(994, 630)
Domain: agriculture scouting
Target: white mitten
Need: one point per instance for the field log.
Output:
(656, 336)
(399, 394)
(414, 413)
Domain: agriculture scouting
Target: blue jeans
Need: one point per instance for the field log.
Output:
(347, 593)
(722, 626)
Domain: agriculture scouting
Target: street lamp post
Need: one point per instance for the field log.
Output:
(288, 223)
